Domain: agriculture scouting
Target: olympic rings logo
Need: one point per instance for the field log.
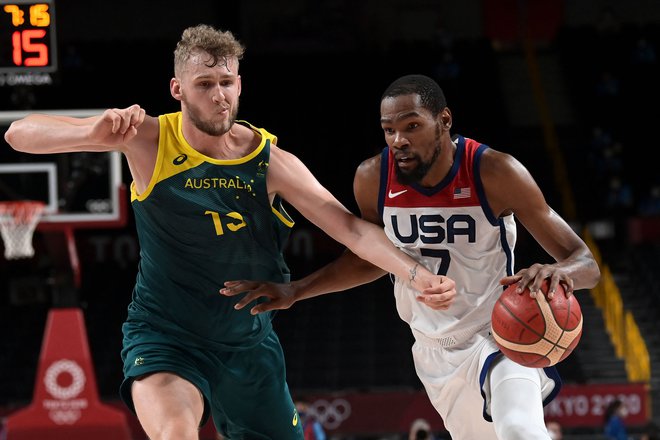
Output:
(330, 414)
(66, 392)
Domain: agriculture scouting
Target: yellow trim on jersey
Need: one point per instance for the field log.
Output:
(283, 216)
(176, 155)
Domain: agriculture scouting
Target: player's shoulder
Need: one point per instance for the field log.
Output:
(369, 167)
(284, 164)
(245, 130)
(172, 118)
(497, 162)
(278, 152)
(502, 173)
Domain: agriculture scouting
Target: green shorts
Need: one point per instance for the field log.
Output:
(245, 391)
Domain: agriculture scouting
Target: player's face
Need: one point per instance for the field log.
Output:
(413, 135)
(209, 95)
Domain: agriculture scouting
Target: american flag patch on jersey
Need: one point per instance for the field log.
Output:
(462, 193)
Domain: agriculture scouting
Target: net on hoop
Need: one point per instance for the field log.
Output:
(18, 220)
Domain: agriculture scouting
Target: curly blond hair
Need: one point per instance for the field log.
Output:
(219, 45)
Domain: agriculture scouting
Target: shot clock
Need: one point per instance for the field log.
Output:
(27, 37)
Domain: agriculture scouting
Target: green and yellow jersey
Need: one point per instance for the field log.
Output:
(201, 222)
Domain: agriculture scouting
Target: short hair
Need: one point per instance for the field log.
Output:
(431, 95)
(220, 45)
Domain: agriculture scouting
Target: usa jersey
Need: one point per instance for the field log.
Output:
(200, 222)
(451, 230)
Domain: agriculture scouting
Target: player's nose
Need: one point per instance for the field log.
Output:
(399, 141)
(218, 96)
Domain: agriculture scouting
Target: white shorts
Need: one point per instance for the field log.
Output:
(457, 381)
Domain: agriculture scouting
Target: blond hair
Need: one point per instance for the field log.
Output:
(219, 45)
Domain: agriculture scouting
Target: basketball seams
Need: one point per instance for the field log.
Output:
(523, 323)
(562, 327)
(552, 328)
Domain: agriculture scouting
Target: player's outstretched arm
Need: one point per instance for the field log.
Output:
(291, 179)
(345, 272)
(38, 133)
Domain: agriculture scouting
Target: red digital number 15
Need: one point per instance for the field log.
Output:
(22, 41)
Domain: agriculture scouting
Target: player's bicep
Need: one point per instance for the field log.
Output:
(510, 188)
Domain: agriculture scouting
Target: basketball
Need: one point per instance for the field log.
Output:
(535, 332)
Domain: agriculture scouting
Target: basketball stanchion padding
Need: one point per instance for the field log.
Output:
(18, 220)
(65, 403)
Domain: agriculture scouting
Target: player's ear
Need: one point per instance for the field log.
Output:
(240, 87)
(446, 118)
(175, 89)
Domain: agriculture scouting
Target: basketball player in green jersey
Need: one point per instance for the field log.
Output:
(206, 194)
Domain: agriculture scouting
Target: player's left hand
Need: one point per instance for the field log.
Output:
(439, 296)
(281, 295)
(533, 276)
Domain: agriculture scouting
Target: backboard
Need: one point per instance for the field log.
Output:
(80, 190)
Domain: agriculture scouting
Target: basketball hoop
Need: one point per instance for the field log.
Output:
(18, 220)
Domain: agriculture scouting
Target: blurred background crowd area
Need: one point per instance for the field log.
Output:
(569, 88)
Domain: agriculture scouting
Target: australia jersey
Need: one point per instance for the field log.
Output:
(201, 222)
(451, 230)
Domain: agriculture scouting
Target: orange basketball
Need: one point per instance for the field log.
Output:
(535, 332)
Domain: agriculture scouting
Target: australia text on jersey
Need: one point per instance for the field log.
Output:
(217, 183)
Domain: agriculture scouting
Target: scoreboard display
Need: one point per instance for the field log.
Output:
(27, 36)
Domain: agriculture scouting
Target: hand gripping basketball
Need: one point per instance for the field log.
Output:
(535, 332)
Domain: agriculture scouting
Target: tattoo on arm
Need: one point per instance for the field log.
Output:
(413, 273)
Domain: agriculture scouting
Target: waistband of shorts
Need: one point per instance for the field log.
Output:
(450, 340)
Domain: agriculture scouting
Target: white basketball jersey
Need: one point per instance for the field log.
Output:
(452, 231)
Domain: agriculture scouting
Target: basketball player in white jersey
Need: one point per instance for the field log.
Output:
(451, 203)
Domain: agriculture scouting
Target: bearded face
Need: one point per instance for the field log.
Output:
(213, 125)
(209, 90)
(417, 173)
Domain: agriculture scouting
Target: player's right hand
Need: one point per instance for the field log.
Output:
(281, 296)
(117, 126)
(440, 295)
(533, 277)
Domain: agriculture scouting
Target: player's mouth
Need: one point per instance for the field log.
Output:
(405, 161)
(222, 110)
